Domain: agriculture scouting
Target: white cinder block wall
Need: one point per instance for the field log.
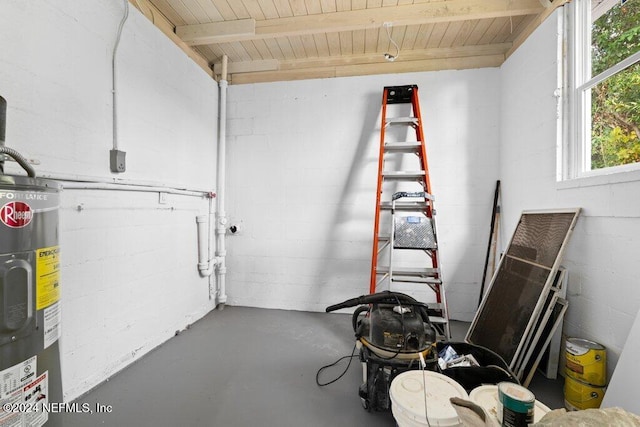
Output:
(302, 178)
(604, 296)
(302, 170)
(129, 276)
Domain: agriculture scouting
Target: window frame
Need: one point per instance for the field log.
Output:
(578, 78)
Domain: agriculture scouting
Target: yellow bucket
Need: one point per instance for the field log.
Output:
(580, 395)
(586, 361)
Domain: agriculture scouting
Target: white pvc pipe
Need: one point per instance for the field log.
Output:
(75, 181)
(221, 221)
(203, 247)
(70, 185)
(206, 261)
(205, 266)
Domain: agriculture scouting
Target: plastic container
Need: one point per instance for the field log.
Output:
(408, 397)
(486, 396)
(492, 370)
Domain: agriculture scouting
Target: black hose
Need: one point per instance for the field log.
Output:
(380, 297)
(354, 317)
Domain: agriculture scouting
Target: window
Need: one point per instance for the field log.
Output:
(605, 76)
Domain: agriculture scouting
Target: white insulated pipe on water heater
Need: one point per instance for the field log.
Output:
(206, 262)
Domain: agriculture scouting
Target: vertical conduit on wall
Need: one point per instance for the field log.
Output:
(114, 74)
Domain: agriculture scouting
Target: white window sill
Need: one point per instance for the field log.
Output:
(620, 174)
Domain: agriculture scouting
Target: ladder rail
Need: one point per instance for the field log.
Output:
(423, 146)
(376, 227)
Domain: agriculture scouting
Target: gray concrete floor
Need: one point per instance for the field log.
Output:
(249, 367)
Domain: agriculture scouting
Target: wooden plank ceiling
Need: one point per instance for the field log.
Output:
(278, 40)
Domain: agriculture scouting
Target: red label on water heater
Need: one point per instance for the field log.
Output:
(16, 214)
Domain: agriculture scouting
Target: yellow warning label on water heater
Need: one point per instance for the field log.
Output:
(47, 276)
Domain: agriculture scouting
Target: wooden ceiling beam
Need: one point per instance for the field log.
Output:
(218, 32)
(371, 69)
(159, 20)
(405, 56)
(414, 14)
(363, 59)
(249, 66)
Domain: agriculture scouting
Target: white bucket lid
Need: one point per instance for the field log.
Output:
(486, 396)
(407, 394)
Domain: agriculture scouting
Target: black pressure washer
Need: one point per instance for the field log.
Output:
(393, 333)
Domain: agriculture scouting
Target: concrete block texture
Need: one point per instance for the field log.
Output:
(602, 292)
(303, 181)
(129, 275)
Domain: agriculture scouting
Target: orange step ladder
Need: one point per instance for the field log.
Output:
(405, 245)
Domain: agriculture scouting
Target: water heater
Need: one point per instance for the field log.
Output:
(30, 379)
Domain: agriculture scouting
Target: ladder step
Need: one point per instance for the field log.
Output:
(405, 206)
(438, 319)
(402, 121)
(410, 271)
(403, 147)
(384, 239)
(418, 280)
(403, 175)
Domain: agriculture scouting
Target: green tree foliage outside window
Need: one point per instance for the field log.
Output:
(615, 102)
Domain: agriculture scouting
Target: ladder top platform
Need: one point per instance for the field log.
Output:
(400, 94)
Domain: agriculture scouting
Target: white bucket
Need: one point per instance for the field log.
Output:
(407, 394)
(486, 396)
